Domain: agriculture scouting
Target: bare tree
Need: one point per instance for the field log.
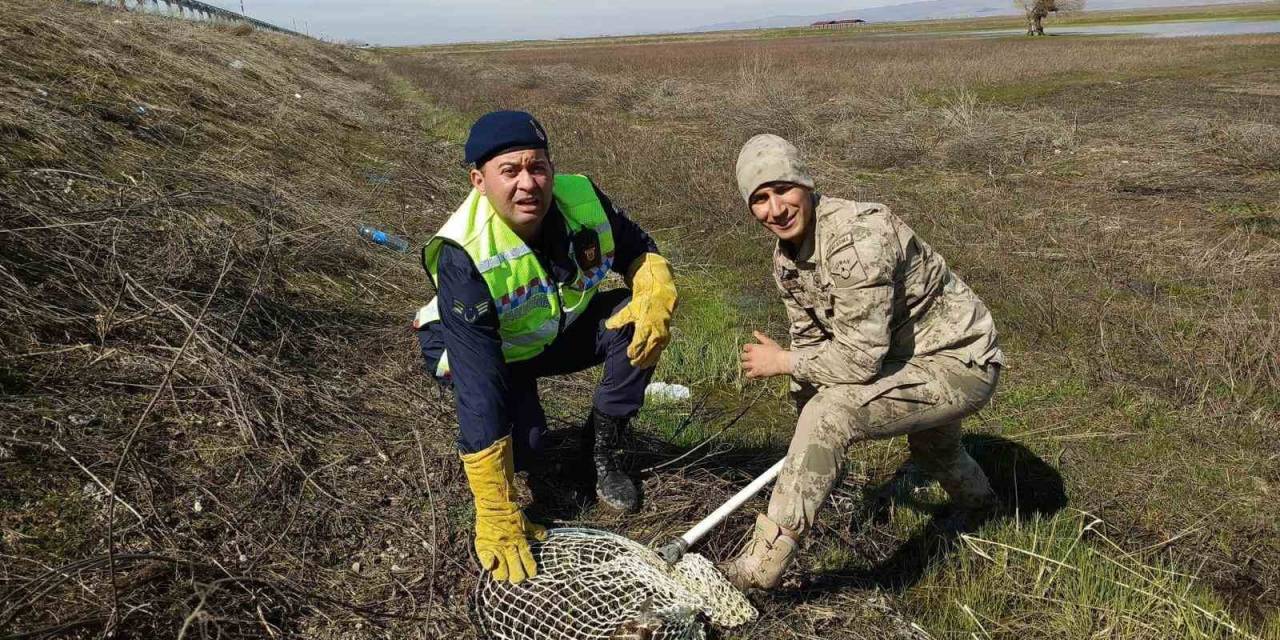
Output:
(1037, 10)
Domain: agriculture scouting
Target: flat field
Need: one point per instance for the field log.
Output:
(1243, 11)
(1113, 200)
(215, 425)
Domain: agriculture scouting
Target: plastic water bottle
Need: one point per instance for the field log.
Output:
(663, 391)
(377, 236)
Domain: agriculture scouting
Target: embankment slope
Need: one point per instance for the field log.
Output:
(189, 317)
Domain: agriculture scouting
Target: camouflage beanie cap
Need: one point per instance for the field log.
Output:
(768, 158)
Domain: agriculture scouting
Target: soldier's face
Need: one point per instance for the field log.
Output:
(784, 208)
(518, 185)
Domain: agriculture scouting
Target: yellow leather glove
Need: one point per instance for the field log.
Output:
(653, 299)
(502, 531)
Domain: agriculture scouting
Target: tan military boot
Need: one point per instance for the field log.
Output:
(973, 502)
(762, 563)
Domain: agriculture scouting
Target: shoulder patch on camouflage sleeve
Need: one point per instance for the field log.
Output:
(845, 263)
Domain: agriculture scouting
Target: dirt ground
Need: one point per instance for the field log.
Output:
(192, 326)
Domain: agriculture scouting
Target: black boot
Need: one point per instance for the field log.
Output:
(613, 487)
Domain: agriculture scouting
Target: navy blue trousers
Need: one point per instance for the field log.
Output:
(585, 344)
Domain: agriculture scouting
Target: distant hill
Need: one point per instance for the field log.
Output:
(940, 10)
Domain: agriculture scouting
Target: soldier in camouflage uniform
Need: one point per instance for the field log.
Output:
(885, 341)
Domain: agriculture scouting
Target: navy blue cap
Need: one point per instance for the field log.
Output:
(501, 131)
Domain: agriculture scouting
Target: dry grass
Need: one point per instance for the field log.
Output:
(1112, 200)
(1242, 11)
(191, 328)
(189, 320)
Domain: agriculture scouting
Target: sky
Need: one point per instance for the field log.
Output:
(399, 22)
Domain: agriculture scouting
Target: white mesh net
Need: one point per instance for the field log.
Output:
(595, 585)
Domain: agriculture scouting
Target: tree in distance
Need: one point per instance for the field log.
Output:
(1037, 10)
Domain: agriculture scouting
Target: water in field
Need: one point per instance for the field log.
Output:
(1155, 29)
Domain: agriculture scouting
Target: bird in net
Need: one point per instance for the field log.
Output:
(596, 585)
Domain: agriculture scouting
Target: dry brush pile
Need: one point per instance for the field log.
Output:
(212, 419)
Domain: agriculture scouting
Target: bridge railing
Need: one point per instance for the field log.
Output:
(196, 11)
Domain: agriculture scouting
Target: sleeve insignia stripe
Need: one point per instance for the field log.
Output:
(472, 313)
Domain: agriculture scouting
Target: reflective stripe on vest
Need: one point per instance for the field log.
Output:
(431, 313)
(530, 305)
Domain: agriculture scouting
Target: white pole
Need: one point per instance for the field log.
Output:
(673, 551)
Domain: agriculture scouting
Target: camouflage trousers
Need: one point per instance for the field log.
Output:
(923, 399)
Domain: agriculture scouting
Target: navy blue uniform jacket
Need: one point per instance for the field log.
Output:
(481, 377)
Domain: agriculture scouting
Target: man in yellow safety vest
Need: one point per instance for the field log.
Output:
(517, 270)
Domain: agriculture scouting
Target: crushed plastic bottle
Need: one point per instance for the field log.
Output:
(377, 236)
(663, 391)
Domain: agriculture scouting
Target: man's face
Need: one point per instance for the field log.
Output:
(518, 185)
(784, 208)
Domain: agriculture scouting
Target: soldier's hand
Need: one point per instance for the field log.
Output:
(766, 359)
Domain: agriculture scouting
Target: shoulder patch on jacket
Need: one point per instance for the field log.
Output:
(845, 262)
(471, 313)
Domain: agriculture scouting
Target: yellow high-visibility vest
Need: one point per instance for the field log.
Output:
(532, 308)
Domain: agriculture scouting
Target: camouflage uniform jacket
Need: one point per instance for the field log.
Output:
(864, 289)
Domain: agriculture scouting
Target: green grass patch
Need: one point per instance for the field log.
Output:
(707, 333)
(1041, 393)
(1018, 93)
(437, 121)
(1259, 59)
(1061, 577)
(58, 524)
(1250, 217)
(754, 419)
(1260, 11)
(673, 421)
